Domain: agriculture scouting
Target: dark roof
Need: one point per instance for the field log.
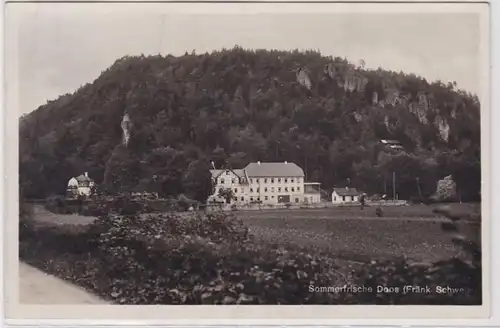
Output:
(217, 172)
(346, 191)
(276, 169)
(83, 178)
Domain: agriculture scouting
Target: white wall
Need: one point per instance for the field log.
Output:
(336, 199)
(268, 189)
(312, 198)
(229, 180)
(264, 189)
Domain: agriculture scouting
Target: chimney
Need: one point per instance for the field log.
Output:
(258, 162)
(213, 164)
(286, 162)
(86, 174)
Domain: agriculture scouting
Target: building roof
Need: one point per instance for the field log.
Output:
(72, 182)
(346, 191)
(216, 172)
(274, 169)
(83, 178)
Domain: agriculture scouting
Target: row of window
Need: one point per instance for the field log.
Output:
(279, 180)
(292, 189)
(349, 198)
(258, 198)
(266, 180)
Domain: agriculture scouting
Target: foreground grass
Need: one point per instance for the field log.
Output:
(359, 240)
(471, 210)
(341, 232)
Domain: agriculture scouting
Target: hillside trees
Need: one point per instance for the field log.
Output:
(235, 106)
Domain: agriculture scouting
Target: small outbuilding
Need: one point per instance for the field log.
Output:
(345, 195)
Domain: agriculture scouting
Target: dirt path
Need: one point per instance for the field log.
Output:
(37, 287)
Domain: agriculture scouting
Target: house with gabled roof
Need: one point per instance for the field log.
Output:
(271, 183)
(80, 185)
(345, 195)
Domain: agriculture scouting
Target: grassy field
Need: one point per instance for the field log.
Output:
(352, 234)
(413, 232)
(421, 211)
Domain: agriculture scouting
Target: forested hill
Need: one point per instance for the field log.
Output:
(236, 106)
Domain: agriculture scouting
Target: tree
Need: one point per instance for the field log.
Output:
(197, 181)
(227, 194)
(122, 171)
(236, 106)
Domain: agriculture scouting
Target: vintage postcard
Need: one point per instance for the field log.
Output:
(258, 160)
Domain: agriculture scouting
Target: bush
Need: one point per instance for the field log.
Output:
(212, 259)
(56, 204)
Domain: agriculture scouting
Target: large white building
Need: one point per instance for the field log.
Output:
(266, 183)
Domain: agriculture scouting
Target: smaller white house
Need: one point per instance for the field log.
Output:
(345, 195)
(80, 185)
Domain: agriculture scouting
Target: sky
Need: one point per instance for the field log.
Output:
(59, 51)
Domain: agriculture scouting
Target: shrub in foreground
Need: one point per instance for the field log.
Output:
(173, 259)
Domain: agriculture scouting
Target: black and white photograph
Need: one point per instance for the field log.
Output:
(170, 154)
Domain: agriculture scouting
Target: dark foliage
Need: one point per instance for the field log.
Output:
(212, 259)
(235, 106)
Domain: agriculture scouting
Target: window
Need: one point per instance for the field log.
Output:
(222, 181)
(251, 189)
(251, 180)
(279, 189)
(293, 189)
(227, 172)
(233, 180)
(236, 190)
(291, 180)
(272, 180)
(286, 188)
(266, 198)
(279, 179)
(258, 198)
(242, 198)
(334, 198)
(265, 189)
(343, 198)
(265, 180)
(298, 188)
(257, 180)
(296, 200)
(251, 199)
(258, 189)
(272, 196)
(286, 180)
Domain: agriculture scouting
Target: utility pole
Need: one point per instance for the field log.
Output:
(385, 183)
(305, 156)
(394, 186)
(418, 186)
